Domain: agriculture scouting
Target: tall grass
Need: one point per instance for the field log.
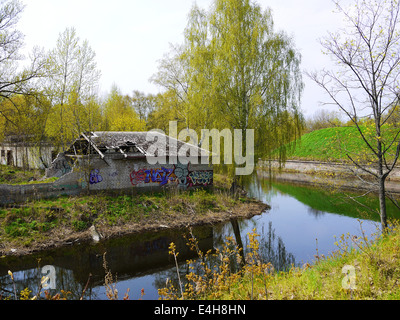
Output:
(361, 268)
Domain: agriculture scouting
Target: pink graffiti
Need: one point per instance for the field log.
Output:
(137, 177)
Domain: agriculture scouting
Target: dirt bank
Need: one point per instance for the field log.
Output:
(60, 237)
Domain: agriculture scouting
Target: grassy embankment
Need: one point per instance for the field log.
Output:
(333, 144)
(373, 266)
(53, 222)
(371, 270)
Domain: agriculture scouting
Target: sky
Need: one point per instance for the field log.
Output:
(129, 37)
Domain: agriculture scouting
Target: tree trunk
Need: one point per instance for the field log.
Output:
(382, 178)
(382, 204)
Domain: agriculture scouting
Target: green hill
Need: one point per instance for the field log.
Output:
(333, 144)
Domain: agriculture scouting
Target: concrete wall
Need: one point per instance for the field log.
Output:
(32, 157)
(324, 174)
(10, 194)
(134, 175)
(321, 167)
(138, 173)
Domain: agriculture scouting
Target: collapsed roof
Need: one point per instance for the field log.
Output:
(118, 144)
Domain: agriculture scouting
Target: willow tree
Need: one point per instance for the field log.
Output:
(235, 71)
(366, 84)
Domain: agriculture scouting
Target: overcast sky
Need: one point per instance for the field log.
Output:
(130, 36)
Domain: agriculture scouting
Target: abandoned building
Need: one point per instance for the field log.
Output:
(125, 160)
(101, 161)
(19, 151)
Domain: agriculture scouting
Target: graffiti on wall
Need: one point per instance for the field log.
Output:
(137, 177)
(95, 177)
(179, 174)
(160, 175)
(200, 178)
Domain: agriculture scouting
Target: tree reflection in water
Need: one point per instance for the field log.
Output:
(271, 250)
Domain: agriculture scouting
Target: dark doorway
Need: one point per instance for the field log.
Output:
(10, 160)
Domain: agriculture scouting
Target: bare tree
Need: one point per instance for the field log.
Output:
(13, 79)
(367, 83)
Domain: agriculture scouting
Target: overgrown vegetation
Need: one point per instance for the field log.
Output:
(47, 220)
(361, 268)
(14, 175)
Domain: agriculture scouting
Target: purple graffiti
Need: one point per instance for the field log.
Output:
(95, 177)
(162, 176)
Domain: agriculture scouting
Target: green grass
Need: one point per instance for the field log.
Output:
(42, 220)
(11, 175)
(14, 175)
(360, 269)
(333, 144)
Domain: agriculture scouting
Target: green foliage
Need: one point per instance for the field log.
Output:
(119, 114)
(235, 71)
(11, 175)
(374, 264)
(43, 220)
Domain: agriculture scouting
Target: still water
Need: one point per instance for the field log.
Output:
(302, 222)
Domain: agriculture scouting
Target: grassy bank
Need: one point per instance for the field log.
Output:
(54, 222)
(360, 269)
(15, 176)
(368, 270)
(333, 144)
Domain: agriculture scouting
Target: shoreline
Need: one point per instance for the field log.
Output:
(59, 238)
(320, 173)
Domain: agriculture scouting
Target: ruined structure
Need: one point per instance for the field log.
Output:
(123, 160)
(19, 151)
(130, 161)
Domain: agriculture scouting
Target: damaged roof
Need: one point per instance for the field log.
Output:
(150, 143)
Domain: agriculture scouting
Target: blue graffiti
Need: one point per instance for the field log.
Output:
(162, 175)
(95, 177)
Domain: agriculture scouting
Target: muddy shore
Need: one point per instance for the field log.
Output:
(60, 238)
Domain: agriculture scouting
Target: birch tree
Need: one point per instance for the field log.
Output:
(72, 83)
(366, 84)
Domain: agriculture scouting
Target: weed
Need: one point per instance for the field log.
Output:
(216, 275)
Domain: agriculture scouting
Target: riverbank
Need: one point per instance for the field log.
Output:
(360, 269)
(331, 174)
(63, 221)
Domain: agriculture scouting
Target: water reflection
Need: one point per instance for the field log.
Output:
(299, 218)
(128, 258)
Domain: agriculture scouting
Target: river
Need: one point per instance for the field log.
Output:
(303, 221)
